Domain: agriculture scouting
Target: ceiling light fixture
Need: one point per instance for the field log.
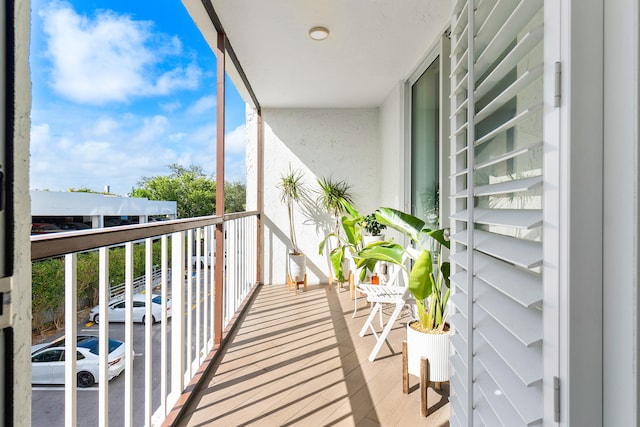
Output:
(319, 33)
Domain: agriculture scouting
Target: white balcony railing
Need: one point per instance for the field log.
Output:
(175, 348)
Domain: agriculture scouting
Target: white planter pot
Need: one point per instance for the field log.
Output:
(366, 239)
(435, 347)
(297, 267)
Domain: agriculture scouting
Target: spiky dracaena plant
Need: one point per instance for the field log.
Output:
(335, 197)
(291, 191)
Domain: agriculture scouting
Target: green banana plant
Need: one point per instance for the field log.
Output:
(430, 288)
(349, 241)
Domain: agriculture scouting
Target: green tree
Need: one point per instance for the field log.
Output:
(194, 192)
(88, 190)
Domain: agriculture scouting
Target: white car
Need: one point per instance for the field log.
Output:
(117, 309)
(47, 361)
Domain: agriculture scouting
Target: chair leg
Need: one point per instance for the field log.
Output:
(367, 324)
(385, 331)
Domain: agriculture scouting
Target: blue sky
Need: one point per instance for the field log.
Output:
(120, 90)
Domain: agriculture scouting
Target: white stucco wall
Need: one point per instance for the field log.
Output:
(337, 143)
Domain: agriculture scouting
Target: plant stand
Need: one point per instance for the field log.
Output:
(425, 379)
(349, 280)
(291, 283)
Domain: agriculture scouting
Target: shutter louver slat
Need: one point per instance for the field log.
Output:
(525, 219)
(460, 345)
(524, 253)
(525, 324)
(508, 32)
(520, 285)
(509, 124)
(460, 280)
(517, 185)
(524, 46)
(459, 368)
(526, 362)
(494, 19)
(459, 6)
(460, 195)
(483, 9)
(523, 399)
(460, 258)
(495, 399)
(460, 173)
(461, 325)
(461, 86)
(525, 79)
(462, 20)
(457, 384)
(460, 301)
(457, 412)
(485, 413)
(460, 67)
(510, 155)
(462, 43)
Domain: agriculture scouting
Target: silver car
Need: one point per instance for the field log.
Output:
(117, 309)
(47, 361)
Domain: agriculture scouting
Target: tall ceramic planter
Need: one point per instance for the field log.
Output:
(297, 267)
(435, 347)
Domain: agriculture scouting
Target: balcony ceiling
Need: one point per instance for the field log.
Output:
(372, 45)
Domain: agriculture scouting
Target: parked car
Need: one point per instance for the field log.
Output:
(68, 226)
(44, 228)
(117, 309)
(47, 361)
(203, 259)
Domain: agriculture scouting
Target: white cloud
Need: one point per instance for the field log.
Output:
(110, 57)
(202, 105)
(103, 127)
(170, 107)
(153, 129)
(236, 140)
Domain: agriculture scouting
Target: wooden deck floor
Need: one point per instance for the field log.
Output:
(297, 359)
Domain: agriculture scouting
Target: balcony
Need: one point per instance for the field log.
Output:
(233, 352)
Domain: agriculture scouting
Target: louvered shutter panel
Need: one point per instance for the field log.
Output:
(496, 221)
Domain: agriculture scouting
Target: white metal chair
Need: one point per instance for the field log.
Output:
(395, 292)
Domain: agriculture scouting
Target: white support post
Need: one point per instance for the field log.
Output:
(163, 326)
(148, 341)
(198, 282)
(212, 287)
(71, 332)
(128, 335)
(205, 294)
(190, 281)
(103, 394)
(177, 316)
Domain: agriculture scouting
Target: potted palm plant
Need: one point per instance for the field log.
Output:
(428, 336)
(291, 191)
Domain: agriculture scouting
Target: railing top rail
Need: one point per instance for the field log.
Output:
(58, 244)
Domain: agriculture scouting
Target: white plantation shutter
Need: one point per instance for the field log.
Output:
(496, 221)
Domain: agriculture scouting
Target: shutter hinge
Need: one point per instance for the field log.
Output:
(556, 399)
(556, 89)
